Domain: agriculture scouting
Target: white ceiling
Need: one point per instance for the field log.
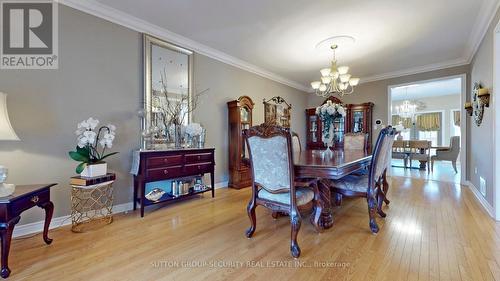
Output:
(427, 89)
(277, 38)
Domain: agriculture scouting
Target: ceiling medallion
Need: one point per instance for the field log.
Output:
(335, 79)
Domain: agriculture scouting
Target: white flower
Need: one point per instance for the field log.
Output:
(328, 102)
(89, 124)
(323, 109)
(88, 137)
(331, 110)
(111, 127)
(318, 110)
(107, 140)
(341, 110)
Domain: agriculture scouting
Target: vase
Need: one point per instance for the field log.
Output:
(95, 170)
(178, 135)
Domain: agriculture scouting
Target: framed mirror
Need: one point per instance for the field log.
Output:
(168, 72)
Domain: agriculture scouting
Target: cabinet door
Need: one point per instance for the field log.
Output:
(358, 121)
(312, 134)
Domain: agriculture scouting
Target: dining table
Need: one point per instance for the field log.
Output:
(324, 166)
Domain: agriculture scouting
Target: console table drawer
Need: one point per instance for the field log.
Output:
(164, 161)
(25, 203)
(199, 168)
(163, 173)
(199, 157)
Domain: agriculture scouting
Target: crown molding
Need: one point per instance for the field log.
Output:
(105, 12)
(415, 70)
(92, 7)
(485, 17)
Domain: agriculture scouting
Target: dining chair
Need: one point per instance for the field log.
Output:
(355, 141)
(270, 152)
(296, 146)
(448, 153)
(399, 151)
(372, 186)
(420, 150)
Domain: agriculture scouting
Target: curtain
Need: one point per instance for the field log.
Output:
(429, 121)
(456, 118)
(406, 122)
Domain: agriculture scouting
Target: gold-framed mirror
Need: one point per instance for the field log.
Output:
(168, 78)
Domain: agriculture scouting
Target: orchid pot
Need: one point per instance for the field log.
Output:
(95, 170)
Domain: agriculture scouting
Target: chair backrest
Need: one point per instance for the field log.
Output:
(399, 145)
(455, 144)
(296, 147)
(355, 141)
(420, 146)
(382, 155)
(270, 153)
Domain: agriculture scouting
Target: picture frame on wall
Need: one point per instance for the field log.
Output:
(277, 111)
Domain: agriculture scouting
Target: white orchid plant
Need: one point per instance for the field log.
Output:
(328, 112)
(92, 143)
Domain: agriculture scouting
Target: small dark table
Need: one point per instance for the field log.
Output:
(313, 164)
(11, 207)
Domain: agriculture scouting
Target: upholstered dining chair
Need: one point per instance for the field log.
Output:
(372, 186)
(399, 151)
(355, 141)
(420, 150)
(448, 153)
(270, 151)
(296, 146)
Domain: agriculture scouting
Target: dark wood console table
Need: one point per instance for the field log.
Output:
(25, 197)
(158, 165)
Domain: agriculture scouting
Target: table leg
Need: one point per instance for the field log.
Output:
(212, 181)
(49, 210)
(6, 230)
(326, 219)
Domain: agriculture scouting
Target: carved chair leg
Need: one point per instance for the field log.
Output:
(296, 222)
(318, 209)
(372, 207)
(251, 214)
(454, 163)
(380, 202)
(385, 187)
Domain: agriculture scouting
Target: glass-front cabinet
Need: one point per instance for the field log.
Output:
(358, 119)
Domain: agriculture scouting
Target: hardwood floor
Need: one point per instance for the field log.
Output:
(433, 231)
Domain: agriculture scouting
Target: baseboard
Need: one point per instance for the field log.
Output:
(489, 209)
(35, 227)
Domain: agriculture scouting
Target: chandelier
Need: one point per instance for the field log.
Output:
(335, 80)
(407, 109)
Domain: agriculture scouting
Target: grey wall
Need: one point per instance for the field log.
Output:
(377, 91)
(100, 75)
(481, 138)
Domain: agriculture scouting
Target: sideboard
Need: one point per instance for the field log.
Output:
(160, 165)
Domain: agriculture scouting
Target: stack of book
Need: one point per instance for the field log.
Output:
(85, 181)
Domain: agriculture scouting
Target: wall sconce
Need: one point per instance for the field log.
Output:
(468, 108)
(484, 96)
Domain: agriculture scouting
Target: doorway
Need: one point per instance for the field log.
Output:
(429, 118)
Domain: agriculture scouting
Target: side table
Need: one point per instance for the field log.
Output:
(91, 204)
(25, 197)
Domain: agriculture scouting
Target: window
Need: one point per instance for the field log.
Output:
(432, 136)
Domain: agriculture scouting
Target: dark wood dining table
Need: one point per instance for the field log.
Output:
(323, 166)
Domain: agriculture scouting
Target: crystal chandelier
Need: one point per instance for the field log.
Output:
(335, 79)
(406, 109)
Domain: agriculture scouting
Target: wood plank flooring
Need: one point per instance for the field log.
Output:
(433, 231)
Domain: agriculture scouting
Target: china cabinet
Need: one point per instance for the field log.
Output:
(358, 119)
(240, 118)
